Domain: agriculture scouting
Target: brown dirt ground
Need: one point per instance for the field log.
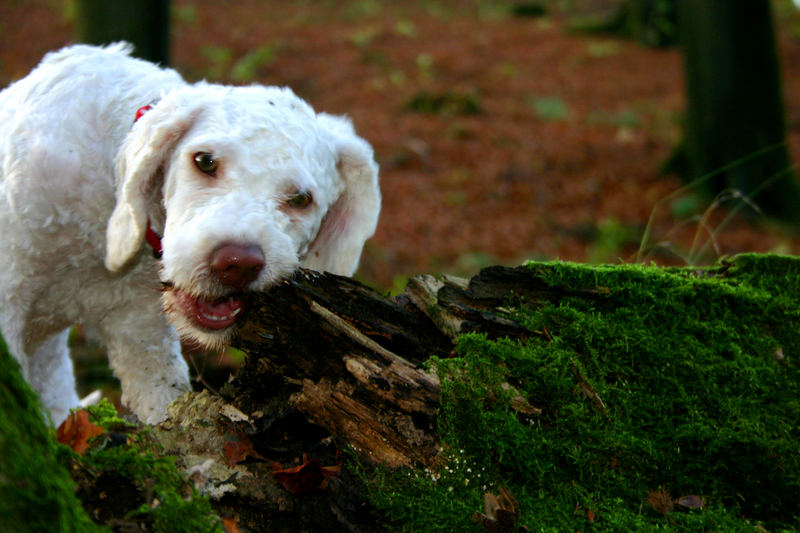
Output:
(560, 161)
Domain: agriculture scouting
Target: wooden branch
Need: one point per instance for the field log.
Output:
(349, 360)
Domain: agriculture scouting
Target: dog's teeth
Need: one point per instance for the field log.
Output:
(215, 318)
(236, 311)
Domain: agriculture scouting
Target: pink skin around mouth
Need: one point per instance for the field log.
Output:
(210, 314)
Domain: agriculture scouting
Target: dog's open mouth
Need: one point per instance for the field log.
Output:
(209, 314)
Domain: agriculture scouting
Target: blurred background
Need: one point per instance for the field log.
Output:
(509, 130)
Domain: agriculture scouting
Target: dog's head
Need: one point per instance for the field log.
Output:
(245, 184)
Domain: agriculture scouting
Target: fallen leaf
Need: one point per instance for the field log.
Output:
(690, 502)
(238, 447)
(310, 475)
(76, 431)
(662, 502)
(500, 513)
(231, 525)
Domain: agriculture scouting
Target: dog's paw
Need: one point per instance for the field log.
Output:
(151, 406)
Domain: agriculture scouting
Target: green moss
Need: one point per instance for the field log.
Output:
(176, 514)
(681, 380)
(105, 415)
(36, 492)
(176, 506)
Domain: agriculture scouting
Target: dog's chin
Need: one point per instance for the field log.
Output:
(206, 321)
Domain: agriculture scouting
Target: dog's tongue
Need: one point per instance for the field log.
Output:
(218, 314)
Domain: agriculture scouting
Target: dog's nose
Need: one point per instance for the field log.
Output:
(235, 265)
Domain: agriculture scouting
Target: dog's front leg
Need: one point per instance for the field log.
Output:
(50, 372)
(145, 354)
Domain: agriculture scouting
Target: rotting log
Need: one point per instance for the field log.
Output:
(350, 360)
(334, 365)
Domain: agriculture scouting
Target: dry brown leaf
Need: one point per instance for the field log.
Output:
(309, 476)
(231, 525)
(76, 431)
(238, 447)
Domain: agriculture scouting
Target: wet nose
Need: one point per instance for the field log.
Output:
(236, 265)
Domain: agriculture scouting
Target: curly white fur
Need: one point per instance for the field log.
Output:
(81, 181)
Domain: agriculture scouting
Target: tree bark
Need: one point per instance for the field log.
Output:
(735, 128)
(143, 23)
(650, 22)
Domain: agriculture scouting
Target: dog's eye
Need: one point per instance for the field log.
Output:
(206, 163)
(299, 200)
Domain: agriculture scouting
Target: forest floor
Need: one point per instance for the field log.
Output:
(500, 138)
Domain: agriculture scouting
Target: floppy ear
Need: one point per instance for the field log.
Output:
(352, 219)
(151, 138)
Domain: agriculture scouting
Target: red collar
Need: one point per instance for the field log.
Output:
(142, 110)
(152, 238)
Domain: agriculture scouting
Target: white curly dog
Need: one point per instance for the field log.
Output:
(101, 153)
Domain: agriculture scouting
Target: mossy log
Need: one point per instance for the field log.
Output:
(350, 360)
(333, 365)
(617, 387)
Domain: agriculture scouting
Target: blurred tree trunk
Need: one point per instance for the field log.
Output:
(144, 23)
(650, 22)
(735, 124)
